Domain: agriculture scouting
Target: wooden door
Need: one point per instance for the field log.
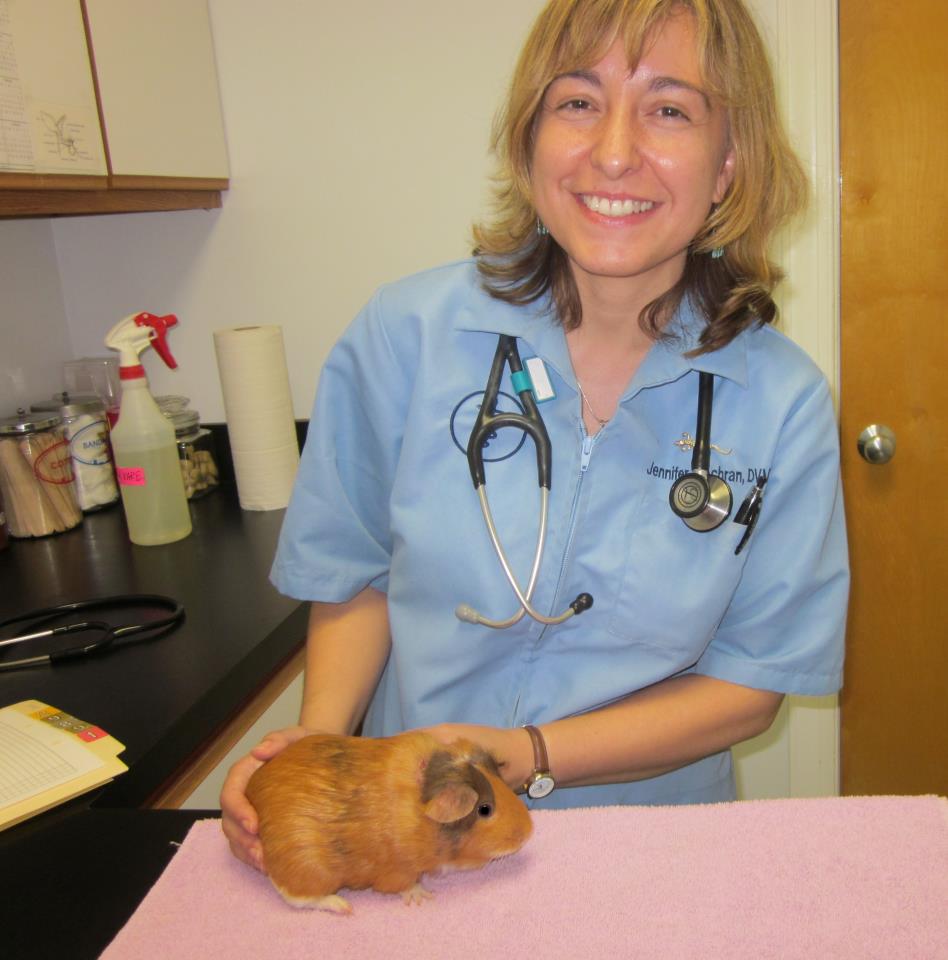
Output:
(894, 371)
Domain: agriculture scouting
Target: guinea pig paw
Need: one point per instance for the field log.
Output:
(333, 904)
(416, 894)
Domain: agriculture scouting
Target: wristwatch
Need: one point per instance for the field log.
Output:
(540, 783)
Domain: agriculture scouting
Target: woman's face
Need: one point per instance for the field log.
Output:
(627, 165)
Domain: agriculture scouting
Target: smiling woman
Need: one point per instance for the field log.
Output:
(641, 173)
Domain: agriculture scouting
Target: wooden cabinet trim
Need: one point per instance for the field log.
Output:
(51, 203)
(168, 183)
(52, 181)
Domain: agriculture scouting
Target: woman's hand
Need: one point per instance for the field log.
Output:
(510, 747)
(238, 818)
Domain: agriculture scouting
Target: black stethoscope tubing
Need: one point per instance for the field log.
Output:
(702, 500)
(489, 420)
(150, 629)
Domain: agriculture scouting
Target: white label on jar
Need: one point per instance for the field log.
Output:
(89, 443)
(92, 461)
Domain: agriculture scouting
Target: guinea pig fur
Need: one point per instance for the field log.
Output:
(354, 812)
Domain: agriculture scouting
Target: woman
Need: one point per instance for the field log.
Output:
(642, 172)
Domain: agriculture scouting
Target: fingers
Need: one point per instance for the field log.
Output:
(446, 733)
(277, 740)
(238, 817)
(244, 846)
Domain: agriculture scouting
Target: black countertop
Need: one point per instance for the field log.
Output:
(72, 878)
(163, 699)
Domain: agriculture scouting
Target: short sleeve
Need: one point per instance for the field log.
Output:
(336, 536)
(784, 629)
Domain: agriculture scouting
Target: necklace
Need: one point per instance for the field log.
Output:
(589, 407)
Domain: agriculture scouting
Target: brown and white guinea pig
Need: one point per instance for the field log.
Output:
(363, 812)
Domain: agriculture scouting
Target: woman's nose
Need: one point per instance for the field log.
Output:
(617, 145)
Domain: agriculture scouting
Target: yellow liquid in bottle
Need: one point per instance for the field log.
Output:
(157, 508)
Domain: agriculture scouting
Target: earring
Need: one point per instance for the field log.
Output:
(717, 253)
(542, 230)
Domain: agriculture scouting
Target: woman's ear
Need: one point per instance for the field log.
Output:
(725, 175)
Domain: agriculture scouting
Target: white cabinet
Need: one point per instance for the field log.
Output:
(158, 89)
(108, 106)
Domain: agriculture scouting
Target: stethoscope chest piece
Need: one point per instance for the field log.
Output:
(702, 501)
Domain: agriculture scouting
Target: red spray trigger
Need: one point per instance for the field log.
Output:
(160, 326)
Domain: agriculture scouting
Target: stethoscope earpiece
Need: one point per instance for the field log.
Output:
(582, 603)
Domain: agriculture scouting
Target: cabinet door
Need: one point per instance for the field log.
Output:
(159, 94)
(49, 123)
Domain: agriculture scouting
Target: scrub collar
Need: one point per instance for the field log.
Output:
(536, 325)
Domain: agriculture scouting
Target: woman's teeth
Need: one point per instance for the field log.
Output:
(616, 208)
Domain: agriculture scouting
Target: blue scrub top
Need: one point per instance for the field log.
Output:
(384, 498)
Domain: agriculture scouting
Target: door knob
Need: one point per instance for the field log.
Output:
(876, 444)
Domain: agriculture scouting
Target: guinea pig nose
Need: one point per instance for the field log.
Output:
(485, 809)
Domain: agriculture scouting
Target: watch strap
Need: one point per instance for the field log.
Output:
(540, 783)
(541, 761)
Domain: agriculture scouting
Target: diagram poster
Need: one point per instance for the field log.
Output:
(49, 123)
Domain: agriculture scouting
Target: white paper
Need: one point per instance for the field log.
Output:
(35, 756)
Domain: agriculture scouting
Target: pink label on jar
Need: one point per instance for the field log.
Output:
(131, 476)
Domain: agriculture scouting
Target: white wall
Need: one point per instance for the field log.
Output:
(34, 338)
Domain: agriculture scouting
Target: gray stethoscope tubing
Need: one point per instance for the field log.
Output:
(468, 614)
(487, 423)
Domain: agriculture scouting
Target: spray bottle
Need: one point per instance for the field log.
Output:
(143, 440)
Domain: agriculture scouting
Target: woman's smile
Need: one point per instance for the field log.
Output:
(614, 207)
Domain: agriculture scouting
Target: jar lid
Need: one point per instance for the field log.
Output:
(184, 422)
(170, 403)
(25, 422)
(71, 404)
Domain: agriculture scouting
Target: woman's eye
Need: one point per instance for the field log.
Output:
(672, 113)
(575, 105)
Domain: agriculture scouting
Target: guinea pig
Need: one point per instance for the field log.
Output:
(355, 812)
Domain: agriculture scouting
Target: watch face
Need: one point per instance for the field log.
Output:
(541, 787)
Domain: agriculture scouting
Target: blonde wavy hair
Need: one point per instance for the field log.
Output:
(769, 185)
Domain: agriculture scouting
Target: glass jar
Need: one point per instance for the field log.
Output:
(36, 477)
(195, 447)
(87, 429)
(98, 376)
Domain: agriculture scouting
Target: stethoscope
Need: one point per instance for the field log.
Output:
(701, 499)
(104, 634)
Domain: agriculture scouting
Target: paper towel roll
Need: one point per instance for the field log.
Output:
(259, 412)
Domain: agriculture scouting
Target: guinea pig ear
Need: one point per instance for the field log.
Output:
(452, 802)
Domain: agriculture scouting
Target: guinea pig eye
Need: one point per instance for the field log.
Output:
(485, 809)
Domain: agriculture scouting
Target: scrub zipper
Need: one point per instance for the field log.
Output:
(588, 443)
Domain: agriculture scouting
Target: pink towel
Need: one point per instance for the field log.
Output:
(860, 877)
